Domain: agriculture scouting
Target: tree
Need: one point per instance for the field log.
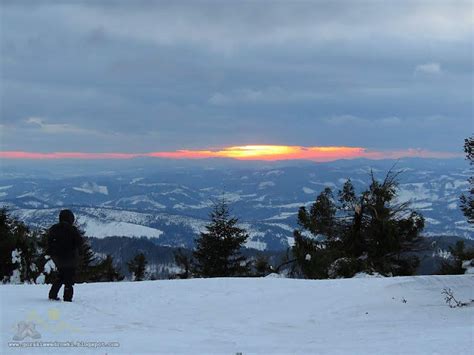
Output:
(321, 217)
(87, 262)
(106, 271)
(19, 251)
(262, 266)
(184, 261)
(467, 202)
(217, 252)
(137, 267)
(454, 264)
(366, 232)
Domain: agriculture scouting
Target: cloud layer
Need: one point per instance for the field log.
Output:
(147, 76)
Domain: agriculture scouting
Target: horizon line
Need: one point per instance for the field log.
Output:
(246, 152)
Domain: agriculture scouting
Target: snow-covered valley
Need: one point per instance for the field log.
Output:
(171, 204)
(401, 315)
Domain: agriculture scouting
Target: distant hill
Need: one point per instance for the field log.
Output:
(169, 201)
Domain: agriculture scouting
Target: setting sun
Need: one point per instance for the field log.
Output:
(257, 151)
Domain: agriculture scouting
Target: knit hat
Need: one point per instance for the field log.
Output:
(66, 216)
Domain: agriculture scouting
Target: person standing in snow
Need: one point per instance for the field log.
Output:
(64, 243)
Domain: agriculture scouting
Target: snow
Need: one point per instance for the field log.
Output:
(274, 173)
(469, 266)
(16, 260)
(325, 184)
(364, 275)
(16, 256)
(285, 227)
(294, 205)
(282, 215)
(28, 194)
(266, 184)
(229, 197)
(259, 199)
(255, 244)
(415, 192)
(403, 315)
(91, 188)
(456, 184)
(35, 204)
(431, 221)
(308, 190)
(98, 229)
(3, 193)
(463, 225)
(421, 205)
(176, 191)
(453, 206)
(202, 205)
(134, 200)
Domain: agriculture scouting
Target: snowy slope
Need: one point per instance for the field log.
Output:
(267, 316)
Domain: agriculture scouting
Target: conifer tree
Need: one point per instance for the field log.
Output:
(366, 232)
(454, 264)
(137, 267)
(217, 252)
(87, 262)
(19, 252)
(106, 271)
(262, 266)
(321, 217)
(184, 261)
(7, 245)
(467, 201)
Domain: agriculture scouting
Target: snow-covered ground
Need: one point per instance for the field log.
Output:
(404, 315)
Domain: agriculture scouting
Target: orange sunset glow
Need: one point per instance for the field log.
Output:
(246, 152)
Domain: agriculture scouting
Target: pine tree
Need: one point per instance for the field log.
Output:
(262, 266)
(19, 251)
(184, 261)
(217, 251)
(454, 265)
(7, 245)
(87, 262)
(467, 202)
(369, 232)
(137, 267)
(106, 271)
(321, 217)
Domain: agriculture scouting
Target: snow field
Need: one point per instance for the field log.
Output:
(402, 315)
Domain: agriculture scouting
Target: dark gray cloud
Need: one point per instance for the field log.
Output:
(146, 76)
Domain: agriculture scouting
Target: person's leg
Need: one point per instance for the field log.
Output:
(58, 282)
(69, 274)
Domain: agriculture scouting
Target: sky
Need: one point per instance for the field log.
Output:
(119, 79)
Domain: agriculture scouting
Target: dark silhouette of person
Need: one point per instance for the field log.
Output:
(64, 243)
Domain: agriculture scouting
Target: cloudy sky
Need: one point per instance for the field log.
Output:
(144, 76)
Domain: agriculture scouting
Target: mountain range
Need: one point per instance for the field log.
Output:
(169, 202)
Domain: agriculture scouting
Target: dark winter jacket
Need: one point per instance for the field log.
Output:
(64, 243)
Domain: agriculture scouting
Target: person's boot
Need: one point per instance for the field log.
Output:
(53, 293)
(68, 292)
